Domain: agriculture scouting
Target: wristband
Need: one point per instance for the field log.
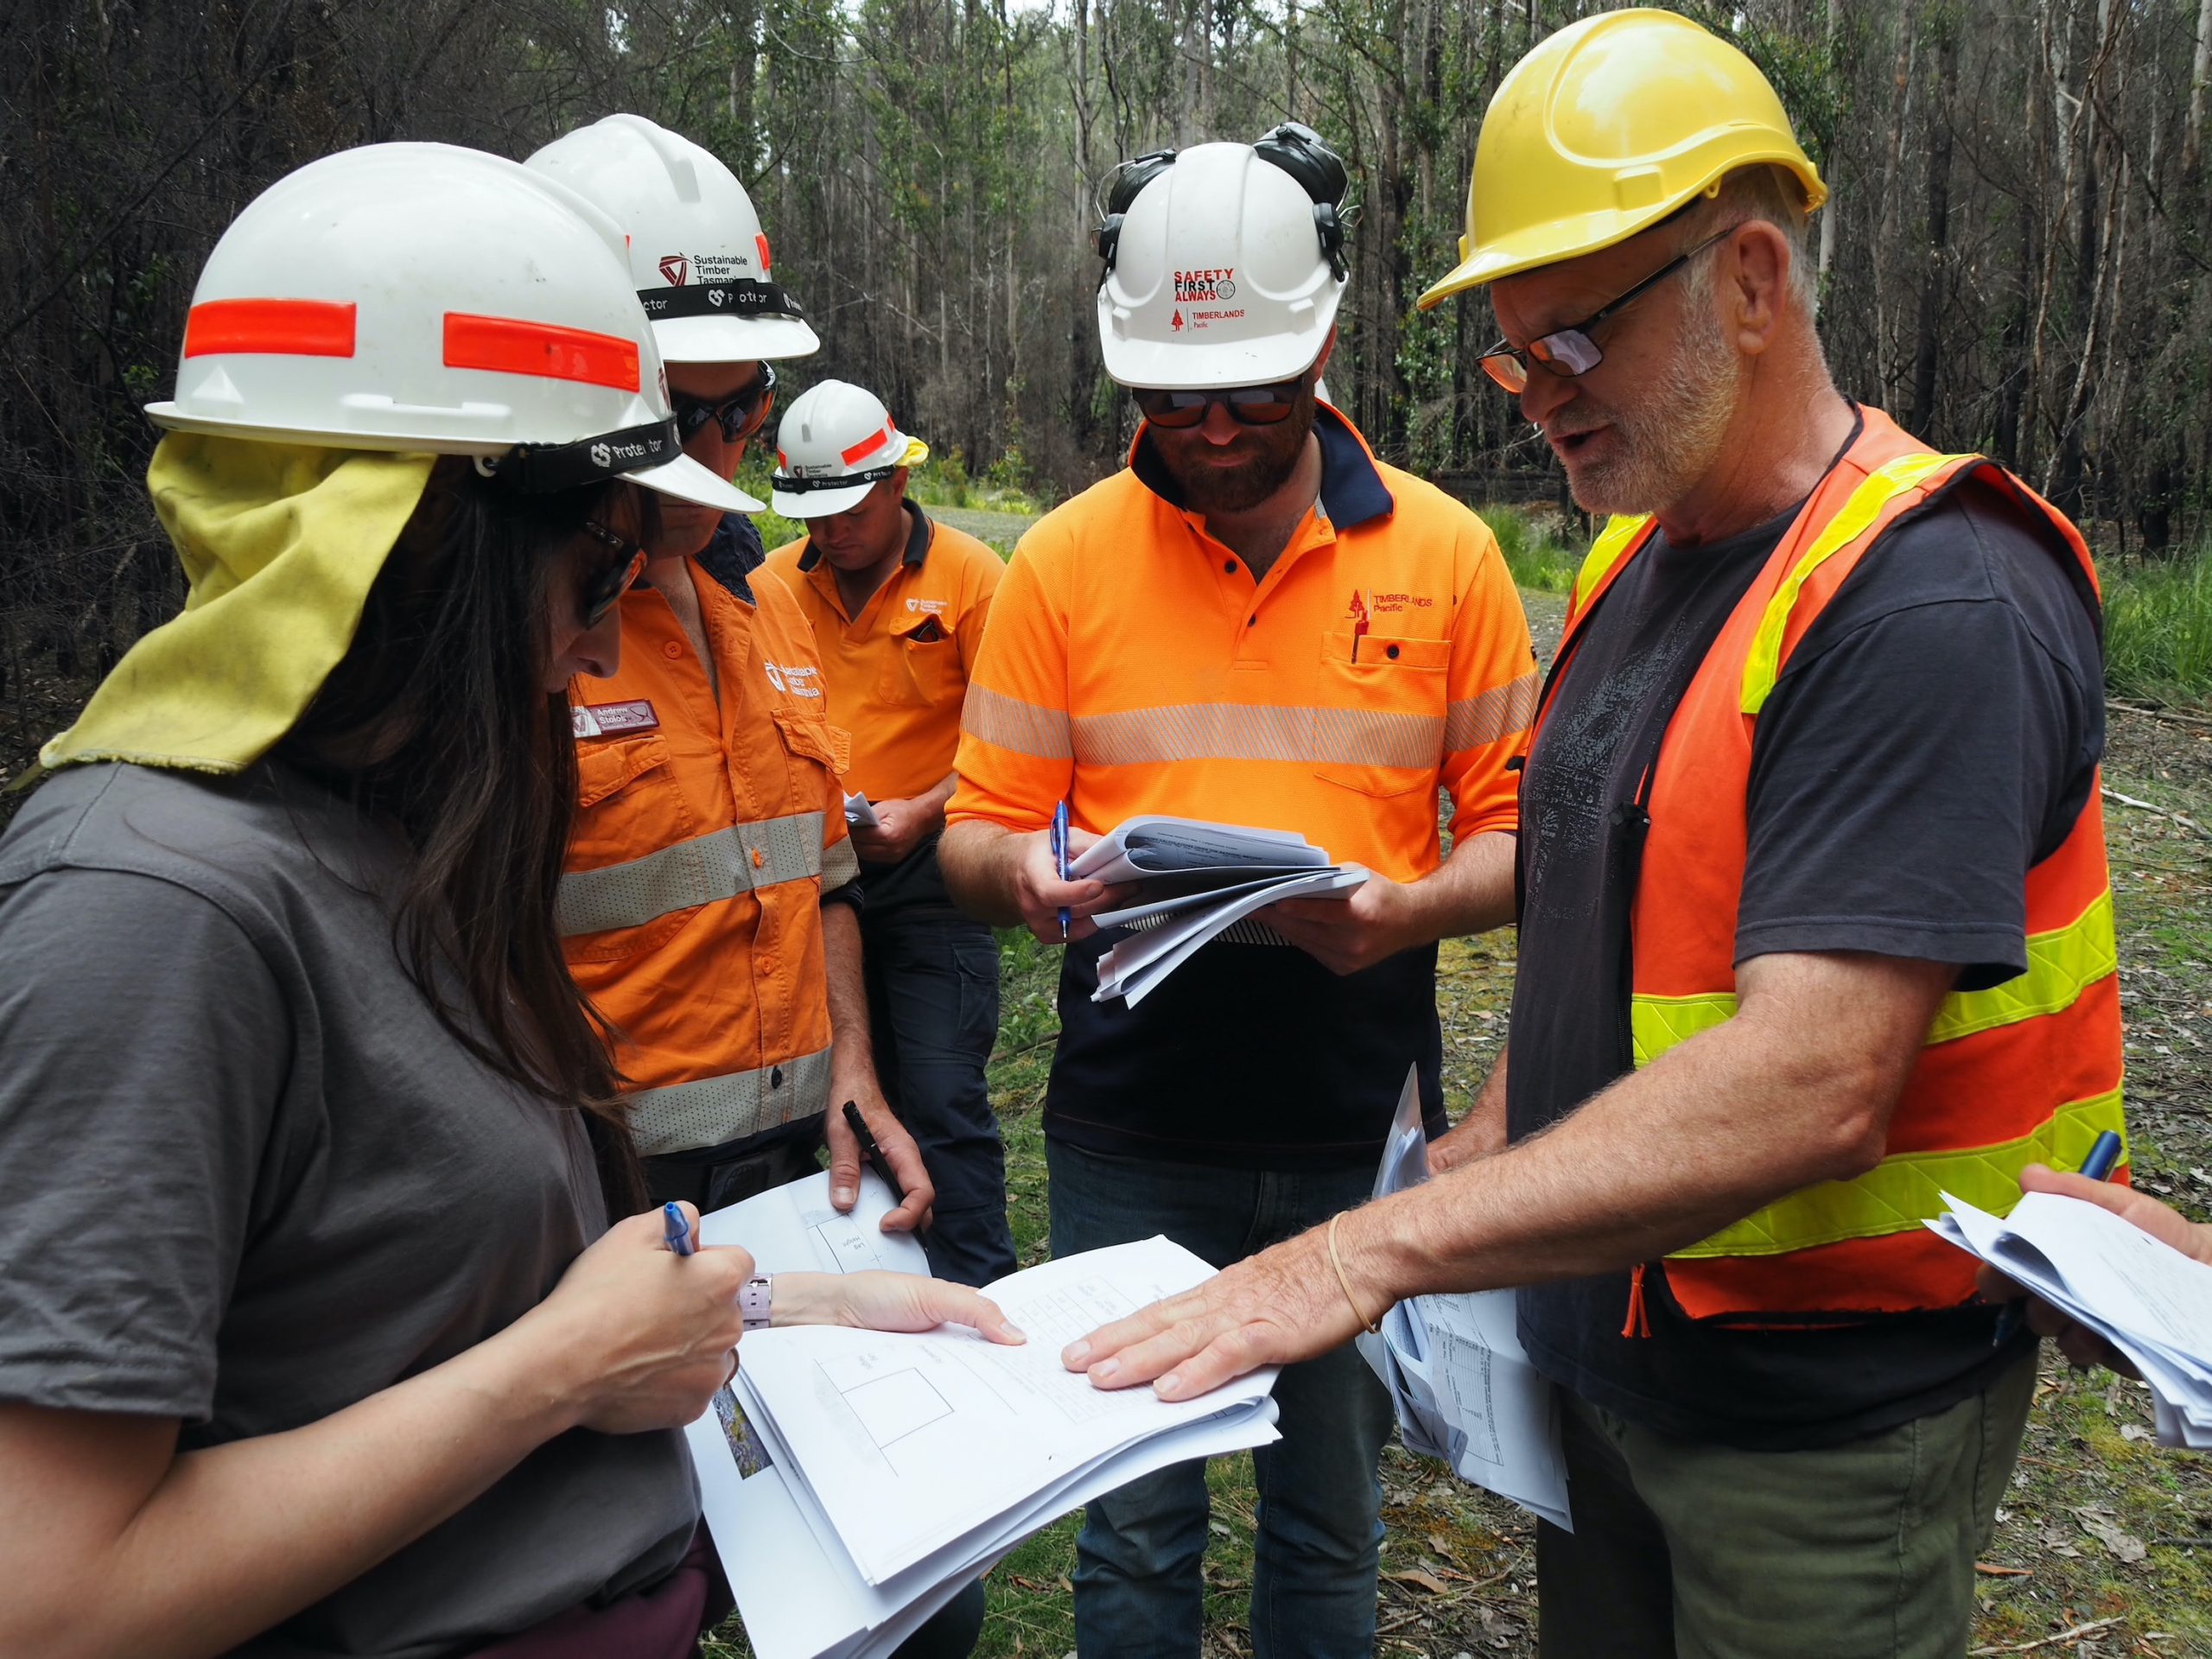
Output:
(1366, 1324)
(753, 1302)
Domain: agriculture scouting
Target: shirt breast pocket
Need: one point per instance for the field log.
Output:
(921, 670)
(1379, 727)
(814, 747)
(629, 806)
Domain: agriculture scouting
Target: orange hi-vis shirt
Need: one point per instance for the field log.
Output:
(1132, 666)
(691, 908)
(898, 673)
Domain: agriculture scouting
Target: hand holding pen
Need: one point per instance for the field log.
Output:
(1060, 858)
(2104, 1157)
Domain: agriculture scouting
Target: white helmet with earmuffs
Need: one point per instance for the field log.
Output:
(698, 256)
(1224, 263)
(428, 298)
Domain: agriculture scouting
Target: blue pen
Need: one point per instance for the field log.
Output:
(679, 1229)
(2104, 1153)
(1060, 859)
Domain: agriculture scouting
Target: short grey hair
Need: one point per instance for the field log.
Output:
(1773, 194)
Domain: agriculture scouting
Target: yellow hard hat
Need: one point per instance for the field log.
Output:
(1603, 130)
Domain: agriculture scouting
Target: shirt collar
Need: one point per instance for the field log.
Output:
(918, 540)
(1352, 490)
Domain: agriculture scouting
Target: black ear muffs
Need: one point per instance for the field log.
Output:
(1122, 187)
(1302, 152)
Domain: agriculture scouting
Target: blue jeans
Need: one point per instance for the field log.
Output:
(1138, 1589)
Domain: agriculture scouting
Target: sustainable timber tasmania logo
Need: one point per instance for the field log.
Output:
(676, 268)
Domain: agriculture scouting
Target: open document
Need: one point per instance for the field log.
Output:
(1459, 1380)
(1196, 882)
(2144, 1297)
(855, 1481)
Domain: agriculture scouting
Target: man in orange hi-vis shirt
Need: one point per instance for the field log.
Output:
(897, 603)
(1256, 622)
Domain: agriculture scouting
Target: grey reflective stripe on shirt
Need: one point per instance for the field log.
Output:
(840, 864)
(1503, 711)
(1240, 731)
(1008, 722)
(701, 871)
(685, 1116)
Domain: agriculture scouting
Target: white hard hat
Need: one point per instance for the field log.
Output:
(836, 443)
(1223, 263)
(698, 257)
(425, 297)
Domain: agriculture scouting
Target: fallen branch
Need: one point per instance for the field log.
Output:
(2091, 1629)
(2172, 715)
(2182, 819)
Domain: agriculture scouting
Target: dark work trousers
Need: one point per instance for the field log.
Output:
(933, 1012)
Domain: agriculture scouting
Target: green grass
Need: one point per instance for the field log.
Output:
(2159, 628)
(1533, 553)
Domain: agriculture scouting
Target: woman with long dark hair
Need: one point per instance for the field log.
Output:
(314, 1337)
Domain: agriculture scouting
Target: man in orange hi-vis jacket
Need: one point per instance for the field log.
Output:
(1256, 622)
(709, 905)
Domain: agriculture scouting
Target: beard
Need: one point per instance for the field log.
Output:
(1660, 447)
(1270, 454)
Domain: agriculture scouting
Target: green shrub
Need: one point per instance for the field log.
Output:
(2159, 628)
(1532, 548)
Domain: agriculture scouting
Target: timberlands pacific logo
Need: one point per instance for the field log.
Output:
(1206, 286)
(676, 268)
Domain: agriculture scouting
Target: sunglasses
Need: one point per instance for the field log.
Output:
(741, 416)
(1569, 352)
(604, 591)
(1247, 405)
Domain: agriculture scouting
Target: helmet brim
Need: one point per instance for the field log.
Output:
(1186, 365)
(687, 480)
(818, 504)
(734, 339)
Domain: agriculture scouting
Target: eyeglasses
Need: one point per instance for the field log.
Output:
(1569, 352)
(741, 416)
(1247, 405)
(604, 591)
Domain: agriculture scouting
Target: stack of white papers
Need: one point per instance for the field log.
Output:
(860, 812)
(1458, 1378)
(1197, 881)
(855, 1481)
(2144, 1297)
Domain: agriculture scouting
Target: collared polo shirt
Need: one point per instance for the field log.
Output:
(898, 671)
(1133, 665)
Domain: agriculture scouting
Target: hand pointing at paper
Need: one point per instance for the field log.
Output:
(2084, 1348)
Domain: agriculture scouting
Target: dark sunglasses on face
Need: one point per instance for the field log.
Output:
(741, 416)
(604, 590)
(1569, 352)
(1247, 405)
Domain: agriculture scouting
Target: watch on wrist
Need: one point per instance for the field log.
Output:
(753, 1302)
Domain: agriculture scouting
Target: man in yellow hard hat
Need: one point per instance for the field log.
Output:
(1815, 924)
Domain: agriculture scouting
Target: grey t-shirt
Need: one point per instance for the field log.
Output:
(247, 1179)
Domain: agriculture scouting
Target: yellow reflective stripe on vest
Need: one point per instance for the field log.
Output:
(2062, 965)
(1901, 1192)
(1884, 484)
(701, 871)
(1604, 553)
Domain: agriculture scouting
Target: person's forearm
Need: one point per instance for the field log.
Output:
(851, 1059)
(929, 804)
(978, 861)
(1472, 892)
(236, 1538)
(1737, 1116)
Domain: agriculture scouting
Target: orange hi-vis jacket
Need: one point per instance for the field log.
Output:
(690, 911)
(2026, 1072)
(1132, 666)
(898, 673)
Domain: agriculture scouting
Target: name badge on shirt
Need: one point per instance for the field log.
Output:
(613, 719)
